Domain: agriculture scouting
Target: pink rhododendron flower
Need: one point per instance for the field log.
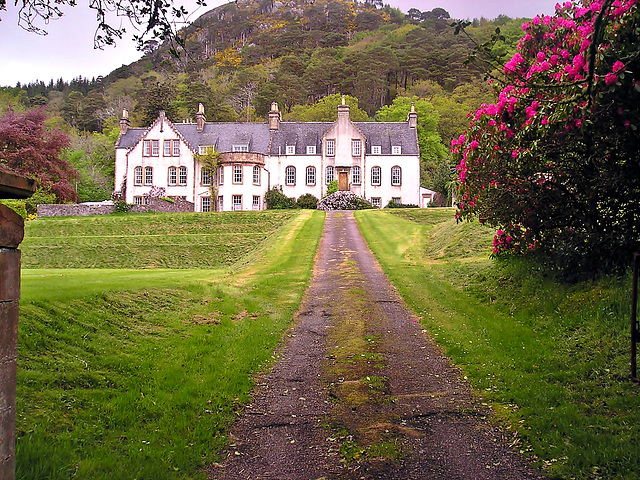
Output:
(610, 78)
(618, 66)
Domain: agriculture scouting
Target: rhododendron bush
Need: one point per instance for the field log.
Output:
(554, 164)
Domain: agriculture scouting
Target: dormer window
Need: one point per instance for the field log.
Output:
(376, 150)
(396, 150)
(240, 148)
(290, 150)
(311, 149)
(202, 150)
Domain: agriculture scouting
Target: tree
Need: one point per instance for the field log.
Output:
(554, 162)
(157, 18)
(29, 149)
(326, 110)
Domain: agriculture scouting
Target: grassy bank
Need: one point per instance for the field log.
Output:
(552, 359)
(138, 373)
(151, 240)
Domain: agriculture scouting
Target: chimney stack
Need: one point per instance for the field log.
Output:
(274, 117)
(200, 118)
(343, 110)
(124, 122)
(413, 117)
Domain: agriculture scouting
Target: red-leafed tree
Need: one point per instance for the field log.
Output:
(28, 148)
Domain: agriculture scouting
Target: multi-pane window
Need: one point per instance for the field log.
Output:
(311, 175)
(176, 148)
(137, 200)
(311, 149)
(206, 204)
(256, 202)
(240, 148)
(221, 175)
(205, 174)
(331, 148)
(375, 176)
(397, 200)
(155, 148)
(146, 148)
(221, 203)
(331, 174)
(376, 149)
(290, 175)
(396, 176)
(202, 150)
(167, 148)
(137, 176)
(355, 175)
(148, 175)
(237, 202)
(256, 175)
(173, 176)
(355, 147)
(396, 150)
(237, 174)
(291, 149)
(182, 175)
(376, 201)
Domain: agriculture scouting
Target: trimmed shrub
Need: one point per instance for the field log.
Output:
(393, 204)
(121, 206)
(276, 200)
(343, 200)
(307, 201)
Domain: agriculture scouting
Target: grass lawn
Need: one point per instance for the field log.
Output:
(137, 374)
(552, 359)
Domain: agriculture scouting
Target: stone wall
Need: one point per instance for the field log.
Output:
(159, 205)
(79, 210)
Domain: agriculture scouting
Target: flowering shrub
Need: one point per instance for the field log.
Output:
(343, 200)
(554, 162)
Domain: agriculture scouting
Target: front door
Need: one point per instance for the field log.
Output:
(343, 181)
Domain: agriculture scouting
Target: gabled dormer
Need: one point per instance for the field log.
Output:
(343, 142)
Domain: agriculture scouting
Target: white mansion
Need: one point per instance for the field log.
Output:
(376, 160)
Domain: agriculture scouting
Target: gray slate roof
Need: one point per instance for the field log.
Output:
(223, 136)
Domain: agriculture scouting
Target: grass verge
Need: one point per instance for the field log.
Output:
(551, 359)
(138, 374)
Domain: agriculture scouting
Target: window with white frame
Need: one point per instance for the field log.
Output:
(240, 148)
(331, 148)
(205, 174)
(172, 176)
(137, 200)
(202, 150)
(256, 203)
(376, 149)
(221, 175)
(396, 176)
(182, 175)
(396, 150)
(146, 150)
(148, 175)
(290, 175)
(355, 175)
(237, 174)
(237, 202)
(290, 149)
(375, 176)
(376, 201)
(137, 176)
(167, 148)
(256, 175)
(356, 147)
(220, 203)
(176, 148)
(311, 149)
(155, 148)
(206, 204)
(397, 200)
(311, 176)
(331, 174)
(146, 199)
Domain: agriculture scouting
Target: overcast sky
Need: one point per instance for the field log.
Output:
(67, 51)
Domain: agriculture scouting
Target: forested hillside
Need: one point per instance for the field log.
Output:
(238, 58)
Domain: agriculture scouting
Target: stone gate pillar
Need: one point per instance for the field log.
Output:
(11, 234)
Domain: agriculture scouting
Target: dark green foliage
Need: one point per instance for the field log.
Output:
(276, 200)
(122, 206)
(332, 188)
(307, 201)
(393, 204)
